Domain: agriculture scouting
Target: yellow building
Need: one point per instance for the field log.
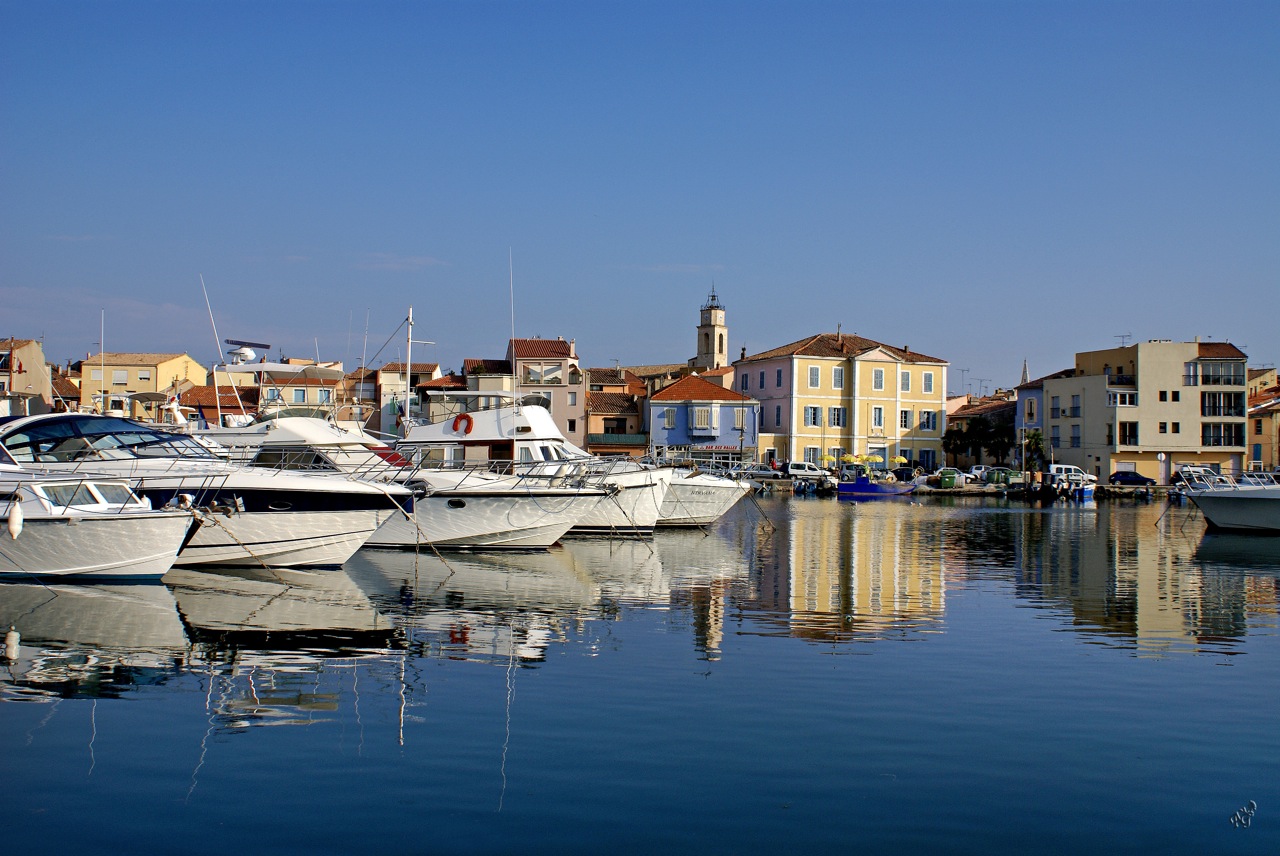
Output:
(835, 394)
(135, 385)
(26, 386)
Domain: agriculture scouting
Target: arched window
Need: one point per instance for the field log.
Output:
(706, 341)
(720, 350)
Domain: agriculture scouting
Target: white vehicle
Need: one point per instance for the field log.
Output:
(1070, 475)
(811, 471)
(978, 473)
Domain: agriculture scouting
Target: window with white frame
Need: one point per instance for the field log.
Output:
(877, 379)
(326, 396)
(702, 417)
(299, 396)
(837, 417)
(739, 418)
(837, 377)
(928, 381)
(273, 394)
(877, 417)
(836, 452)
(119, 377)
(144, 374)
(812, 454)
(928, 420)
(906, 380)
(812, 416)
(815, 377)
(573, 398)
(904, 419)
(1122, 399)
(669, 418)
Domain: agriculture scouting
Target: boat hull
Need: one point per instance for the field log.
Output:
(498, 520)
(699, 500)
(316, 539)
(632, 512)
(1240, 509)
(135, 545)
(868, 488)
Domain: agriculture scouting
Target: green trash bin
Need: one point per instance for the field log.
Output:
(947, 480)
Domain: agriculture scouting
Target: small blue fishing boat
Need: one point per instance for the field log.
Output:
(864, 486)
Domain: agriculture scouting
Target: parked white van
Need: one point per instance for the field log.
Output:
(1069, 474)
(809, 470)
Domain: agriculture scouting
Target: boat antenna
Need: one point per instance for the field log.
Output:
(511, 290)
(217, 343)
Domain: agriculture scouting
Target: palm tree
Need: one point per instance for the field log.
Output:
(1033, 451)
(978, 436)
(1001, 440)
(954, 441)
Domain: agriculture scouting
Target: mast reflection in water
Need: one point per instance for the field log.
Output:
(1074, 677)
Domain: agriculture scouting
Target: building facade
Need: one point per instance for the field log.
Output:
(699, 420)
(26, 385)
(1149, 407)
(833, 394)
(549, 368)
(131, 384)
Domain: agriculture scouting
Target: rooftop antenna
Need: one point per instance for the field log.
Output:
(981, 382)
(1124, 339)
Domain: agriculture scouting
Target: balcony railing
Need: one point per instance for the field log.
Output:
(1074, 412)
(1123, 380)
(1221, 410)
(1055, 412)
(1075, 442)
(617, 439)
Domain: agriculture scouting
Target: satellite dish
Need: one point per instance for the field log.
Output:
(242, 355)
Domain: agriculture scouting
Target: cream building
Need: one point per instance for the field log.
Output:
(835, 394)
(1149, 407)
(26, 386)
(135, 385)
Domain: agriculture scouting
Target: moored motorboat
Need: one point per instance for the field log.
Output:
(697, 498)
(1247, 504)
(865, 486)
(258, 517)
(59, 526)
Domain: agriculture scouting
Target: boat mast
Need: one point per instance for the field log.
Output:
(408, 374)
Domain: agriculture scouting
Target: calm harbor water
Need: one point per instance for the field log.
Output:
(959, 676)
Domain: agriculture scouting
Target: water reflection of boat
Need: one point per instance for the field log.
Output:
(1243, 553)
(496, 607)
(276, 608)
(91, 640)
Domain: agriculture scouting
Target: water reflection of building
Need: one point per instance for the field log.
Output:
(1134, 574)
(837, 571)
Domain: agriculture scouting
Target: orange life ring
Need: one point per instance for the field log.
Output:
(464, 420)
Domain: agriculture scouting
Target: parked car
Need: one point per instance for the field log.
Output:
(758, 472)
(978, 473)
(1129, 477)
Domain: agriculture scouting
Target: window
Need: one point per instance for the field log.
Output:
(96, 374)
(326, 396)
(1164, 395)
(739, 418)
(877, 417)
(815, 377)
(836, 452)
(1075, 436)
(1055, 440)
(1055, 408)
(1221, 373)
(762, 380)
(1176, 427)
(812, 417)
(669, 418)
(1029, 411)
(702, 417)
(1164, 428)
(273, 394)
(119, 377)
(573, 426)
(812, 453)
(745, 382)
(299, 396)
(573, 398)
(144, 374)
(777, 416)
(1257, 426)
(928, 420)
(904, 420)
(836, 417)
(837, 377)
(1128, 433)
(1176, 395)
(1075, 407)
(1122, 399)
(1222, 434)
(877, 379)
(778, 379)
(1222, 404)
(928, 382)
(1190, 374)
(906, 381)
(540, 373)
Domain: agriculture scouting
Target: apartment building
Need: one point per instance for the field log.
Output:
(136, 384)
(549, 367)
(834, 394)
(1149, 407)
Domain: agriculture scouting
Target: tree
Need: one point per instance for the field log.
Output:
(1033, 451)
(978, 436)
(1001, 440)
(954, 442)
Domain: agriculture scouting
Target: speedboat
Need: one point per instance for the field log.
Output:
(71, 526)
(520, 440)
(457, 509)
(1250, 503)
(257, 517)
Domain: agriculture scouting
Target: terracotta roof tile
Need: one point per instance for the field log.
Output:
(842, 345)
(449, 381)
(131, 359)
(486, 367)
(612, 377)
(611, 403)
(1220, 351)
(231, 398)
(694, 388)
(418, 368)
(535, 348)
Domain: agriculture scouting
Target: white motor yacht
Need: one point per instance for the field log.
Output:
(522, 440)
(1250, 503)
(257, 517)
(71, 526)
(698, 498)
(457, 509)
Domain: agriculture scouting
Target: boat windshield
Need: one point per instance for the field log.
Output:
(79, 437)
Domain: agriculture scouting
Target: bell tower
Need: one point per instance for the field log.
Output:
(713, 335)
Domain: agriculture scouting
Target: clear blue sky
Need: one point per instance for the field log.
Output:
(984, 182)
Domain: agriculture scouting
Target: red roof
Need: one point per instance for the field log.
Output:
(842, 345)
(694, 388)
(449, 381)
(1220, 351)
(536, 348)
(235, 399)
(611, 403)
(474, 366)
